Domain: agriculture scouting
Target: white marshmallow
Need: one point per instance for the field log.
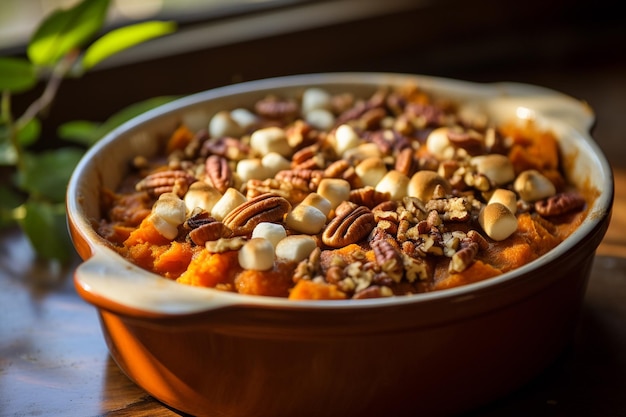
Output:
(346, 138)
(505, 197)
(320, 119)
(362, 152)
(498, 168)
(497, 221)
(244, 117)
(305, 219)
(423, 184)
(222, 124)
(531, 185)
(231, 199)
(274, 162)
(201, 194)
(170, 208)
(273, 232)
(252, 169)
(257, 254)
(438, 143)
(295, 247)
(317, 201)
(395, 183)
(165, 229)
(371, 171)
(335, 190)
(315, 98)
(270, 139)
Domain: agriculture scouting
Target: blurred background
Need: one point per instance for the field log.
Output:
(576, 47)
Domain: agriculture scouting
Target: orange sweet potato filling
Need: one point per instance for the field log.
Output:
(208, 269)
(275, 282)
(311, 290)
(127, 226)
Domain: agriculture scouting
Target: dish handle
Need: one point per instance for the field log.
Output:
(117, 285)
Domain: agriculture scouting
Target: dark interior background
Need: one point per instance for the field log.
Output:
(576, 47)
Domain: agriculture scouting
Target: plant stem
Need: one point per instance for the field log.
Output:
(12, 129)
(50, 91)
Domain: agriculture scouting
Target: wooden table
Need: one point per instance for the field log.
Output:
(53, 359)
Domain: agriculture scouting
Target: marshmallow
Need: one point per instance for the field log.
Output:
(498, 168)
(371, 171)
(252, 169)
(170, 208)
(270, 139)
(167, 214)
(273, 232)
(317, 201)
(305, 219)
(320, 119)
(423, 184)
(438, 143)
(346, 138)
(201, 194)
(244, 117)
(231, 199)
(505, 197)
(531, 186)
(315, 99)
(274, 162)
(362, 152)
(257, 254)
(165, 229)
(395, 183)
(295, 247)
(222, 124)
(334, 190)
(497, 221)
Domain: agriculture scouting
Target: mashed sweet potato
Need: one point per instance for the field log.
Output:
(393, 194)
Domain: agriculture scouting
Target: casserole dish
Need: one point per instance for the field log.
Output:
(209, 352)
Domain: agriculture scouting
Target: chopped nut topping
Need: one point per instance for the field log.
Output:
(397, 193)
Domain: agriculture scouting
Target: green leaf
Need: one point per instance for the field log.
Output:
(82, 132)
(124, 38)
(131, 111)
(65, 30)
(88, 133)
(16, 75)
(45, 225)
(29, 133)
(9, 200)
(8, 156)
(47, 174)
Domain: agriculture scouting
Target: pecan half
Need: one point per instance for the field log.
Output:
(263, 208)
(389, 258)
(406, 163)
(348, 227)
(197, 218)
(277, 108)
(470, 140)
(218, 173)
(170, 181)
(301, 178)
(560, 204)
(368, 197)
(209, 232)
(294, 192)
(343, 170)
(230, 148)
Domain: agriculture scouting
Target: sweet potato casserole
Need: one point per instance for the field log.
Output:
(332, 196)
